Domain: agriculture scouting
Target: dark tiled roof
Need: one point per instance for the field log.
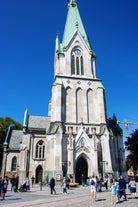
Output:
(41, 122)
(15, 139)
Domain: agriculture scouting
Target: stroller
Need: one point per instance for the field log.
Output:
(23, 188)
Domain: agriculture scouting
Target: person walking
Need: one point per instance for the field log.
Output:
(113, 193)
(117, 190)
(13, 183)
(27, 183)
(64, 185)
(83, 180)
(97, 183)
(5, 185)
(122, 187)
(52, 185)
(16, 184)
(93, 188)
(67, 181)
(132, 187)
(106, 183)
(100, 184)
(1, 188)
(33, 179)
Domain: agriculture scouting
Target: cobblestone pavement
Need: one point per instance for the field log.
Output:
(76, 197)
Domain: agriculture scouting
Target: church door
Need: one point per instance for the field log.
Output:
(81, 168)
(39, 174)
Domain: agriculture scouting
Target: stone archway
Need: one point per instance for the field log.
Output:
(39, 174)
(81, 168)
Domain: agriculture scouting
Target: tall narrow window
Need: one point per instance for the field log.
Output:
(14, 164)
(92, 66)
(40, 149)
(68, 105)
(90, 106)
(79, 105)
(77, 67)
(82, 70)
(72, 64)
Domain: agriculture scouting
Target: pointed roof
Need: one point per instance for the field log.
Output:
(26, 117)
(73, 24)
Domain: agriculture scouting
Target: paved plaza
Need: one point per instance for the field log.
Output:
(76, 197)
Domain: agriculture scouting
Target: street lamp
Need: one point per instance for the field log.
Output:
(5, 148)
(42, 177)
(5, 163)
(104, 163)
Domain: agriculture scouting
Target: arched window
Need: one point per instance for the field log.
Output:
(90, 105)
(72, 64)
(79, 105)
(68, 105)
(40, 150)
(77, 67)
(13, 164)
(82, 70)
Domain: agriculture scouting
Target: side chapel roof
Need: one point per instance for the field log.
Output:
(15, 139)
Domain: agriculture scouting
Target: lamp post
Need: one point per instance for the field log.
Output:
(104, 163)
(5, 159)
(42, 176)
(5, 148)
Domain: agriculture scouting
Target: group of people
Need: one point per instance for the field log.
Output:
(64, 184)
(15, 184)
(14, 181)
(117, 188)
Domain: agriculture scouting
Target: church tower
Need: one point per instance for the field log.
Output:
(77, 104)
(77, 93)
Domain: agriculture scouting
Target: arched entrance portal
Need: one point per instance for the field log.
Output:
(81, 168)
(39, 173)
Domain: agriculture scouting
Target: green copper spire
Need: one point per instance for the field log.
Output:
(26, 117)
(73, 24)
(57, 44)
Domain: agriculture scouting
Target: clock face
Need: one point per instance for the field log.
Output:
(77, 52)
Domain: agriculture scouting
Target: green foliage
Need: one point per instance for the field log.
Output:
(132, 148)
(4, 124)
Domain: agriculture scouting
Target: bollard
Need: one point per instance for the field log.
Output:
(41, 185)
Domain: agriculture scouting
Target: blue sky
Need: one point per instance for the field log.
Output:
(27, 39)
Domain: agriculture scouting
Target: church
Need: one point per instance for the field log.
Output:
(76, 137)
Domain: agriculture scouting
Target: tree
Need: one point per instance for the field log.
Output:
(4, 124)
(131, 146)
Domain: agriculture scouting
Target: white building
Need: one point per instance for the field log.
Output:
(76, 137)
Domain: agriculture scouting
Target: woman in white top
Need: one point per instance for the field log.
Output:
(93, 188)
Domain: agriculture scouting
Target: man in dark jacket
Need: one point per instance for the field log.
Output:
(52, 185)
(122, 187)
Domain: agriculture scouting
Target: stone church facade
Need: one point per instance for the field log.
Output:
(76, 137)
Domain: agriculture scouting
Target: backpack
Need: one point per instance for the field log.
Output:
(92, 182)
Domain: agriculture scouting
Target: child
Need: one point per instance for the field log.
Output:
(117, 190)
(113, 194)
